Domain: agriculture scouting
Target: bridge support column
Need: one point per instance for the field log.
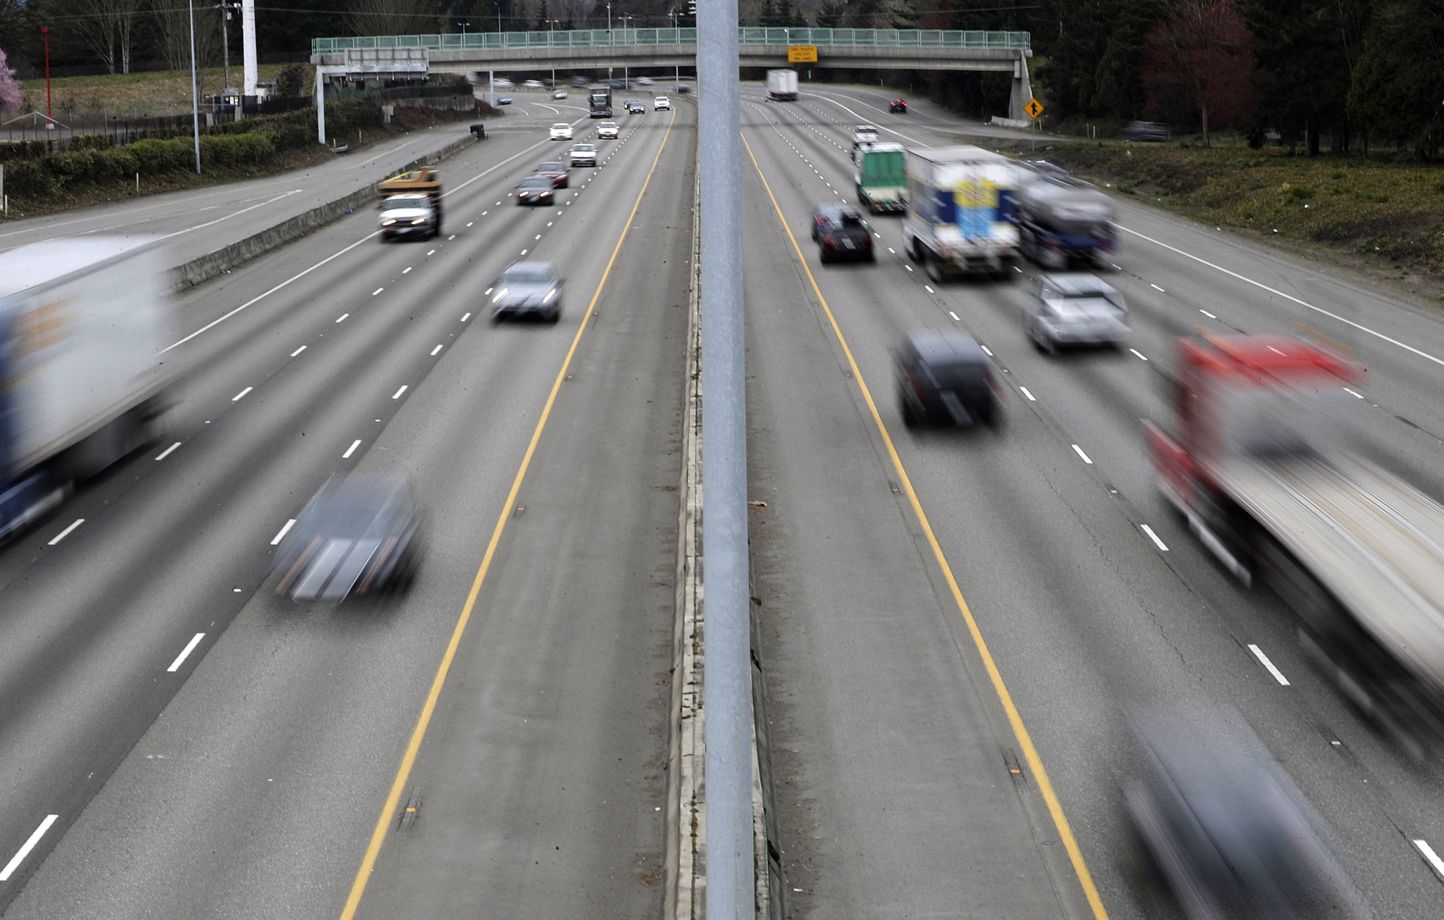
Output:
(1022, 88)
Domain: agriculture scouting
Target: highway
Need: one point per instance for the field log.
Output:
(243, 773)
(954, 624)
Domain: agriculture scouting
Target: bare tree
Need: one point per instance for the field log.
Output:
(397, 17)
(173, 33)
(107, 28)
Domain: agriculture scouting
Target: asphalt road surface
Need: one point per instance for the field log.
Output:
(243, 773)
(494, 743)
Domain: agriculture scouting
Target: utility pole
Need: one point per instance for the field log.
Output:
(45, 33)
(226, 6)
(195, 91)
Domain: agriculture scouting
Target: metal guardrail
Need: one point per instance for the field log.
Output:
(634, 37)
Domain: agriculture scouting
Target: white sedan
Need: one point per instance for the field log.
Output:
(561, 131)
(660, 103)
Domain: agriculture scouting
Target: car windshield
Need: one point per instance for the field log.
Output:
(1083, 306)
(530, 274)
(584, 148)
(536, 182)
(408, 201)
(561, 126)
(550, 166)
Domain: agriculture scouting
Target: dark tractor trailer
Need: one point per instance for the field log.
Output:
(601, 102)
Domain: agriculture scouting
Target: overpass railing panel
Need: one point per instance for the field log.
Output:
(646, 37)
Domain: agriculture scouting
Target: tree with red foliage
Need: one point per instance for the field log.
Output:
(1200, 55)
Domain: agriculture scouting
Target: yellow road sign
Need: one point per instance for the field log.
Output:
(802, 54)
(1034, 108)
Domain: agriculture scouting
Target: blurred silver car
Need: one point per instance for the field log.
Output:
(1076, 309)
(357, 535)
(527, 289)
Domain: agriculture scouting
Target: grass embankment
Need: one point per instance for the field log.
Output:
(122, 95)
(1388, 217)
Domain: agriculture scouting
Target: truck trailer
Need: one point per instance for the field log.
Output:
(881, 176)
(1261, 470)
(782, 85)
(83, 380)
(959, 213)
(1062, 220)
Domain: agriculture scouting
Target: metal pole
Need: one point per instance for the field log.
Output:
(728, 678)
(195, 90)
(609, 42)
(226, 44)
(45, 33)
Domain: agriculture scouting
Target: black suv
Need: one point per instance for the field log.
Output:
(841, 233)
(944, 377)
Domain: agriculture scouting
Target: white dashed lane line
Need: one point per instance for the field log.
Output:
(397, 394)
(377, 291)
(66, 532)
(406, 270)
(431, 252)
(954, 316)
(1354, 393)
(185, 652)
(241, 395)
(1208, 314)
(1157, 288)
(1162, 547)
(986, 350)
(1422, 846)
(465, 317)
(436, 351)
(1084, 457)
(1138, 354)
(298, 351)
(1026, 392)
(342, 317)
(167, 452)
(1269, 665)
(25, 848)
(281, 534)
(351, 450)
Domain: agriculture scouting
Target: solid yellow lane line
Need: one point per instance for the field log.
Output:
(1020, 731)
(408, 759)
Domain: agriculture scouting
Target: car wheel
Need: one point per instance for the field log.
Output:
(935, 269)
(993, 417)
(909, 415)
(555, 314)
(915, 249)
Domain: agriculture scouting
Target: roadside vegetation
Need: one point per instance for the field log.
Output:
(157, 92)
(1386, 216)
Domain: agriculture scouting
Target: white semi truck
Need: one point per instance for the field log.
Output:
(83, 381)
(960, 203)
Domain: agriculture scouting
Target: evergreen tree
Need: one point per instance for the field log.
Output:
(1397, 85)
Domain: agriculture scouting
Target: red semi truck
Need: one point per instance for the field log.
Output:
(1260, 470)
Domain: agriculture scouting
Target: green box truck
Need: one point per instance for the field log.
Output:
(881, 177)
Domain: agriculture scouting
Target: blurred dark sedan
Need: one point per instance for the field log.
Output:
(554, 170)
(1225, 827)
(357, 535)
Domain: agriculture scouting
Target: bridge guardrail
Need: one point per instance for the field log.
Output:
(633, 37)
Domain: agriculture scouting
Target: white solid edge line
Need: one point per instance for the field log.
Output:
(1030, 396)
(281, 534)
(24, 850)
(1079, 451)
(1264, 660)
(241, 395)
(1162, 547)
(1303, 303)
(1421, 845)
(351, 450)
(298, 351)
(167, 452)
(397, 394)
(1138, 354)
(190, 647)
(66, 532)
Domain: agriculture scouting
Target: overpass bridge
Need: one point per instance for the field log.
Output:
(393, 56)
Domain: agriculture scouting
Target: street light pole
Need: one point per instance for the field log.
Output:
(195, 90)
(609, 42)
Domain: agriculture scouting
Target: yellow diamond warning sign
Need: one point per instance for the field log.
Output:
(1034, 108)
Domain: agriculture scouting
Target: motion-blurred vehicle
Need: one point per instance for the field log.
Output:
(82, 380)
(898, 105)
(535, 190)
(408, 217)
(608, 130)
(1263, 470)
(527, 289)
(945, 378)
(863, 134)
(584, 155)
(1220, 823)
(643, 81)
(959, 209)
(617, 83)
(1147, 131)
(782, 85)
(554, 170)
(635, 107)
(881, 176)
(534, 84)
(661, 103)
(359, 534)
(841, 233)
(502, 83)
(503, 100)
(559, 94)
(1076, 310)
(683, 89)
(424, 181)
(1062, 220)
(579, 82)
(561, 131)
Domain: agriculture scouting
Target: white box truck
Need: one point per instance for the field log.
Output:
(782, 85)
(960, 204)
(82, 378)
